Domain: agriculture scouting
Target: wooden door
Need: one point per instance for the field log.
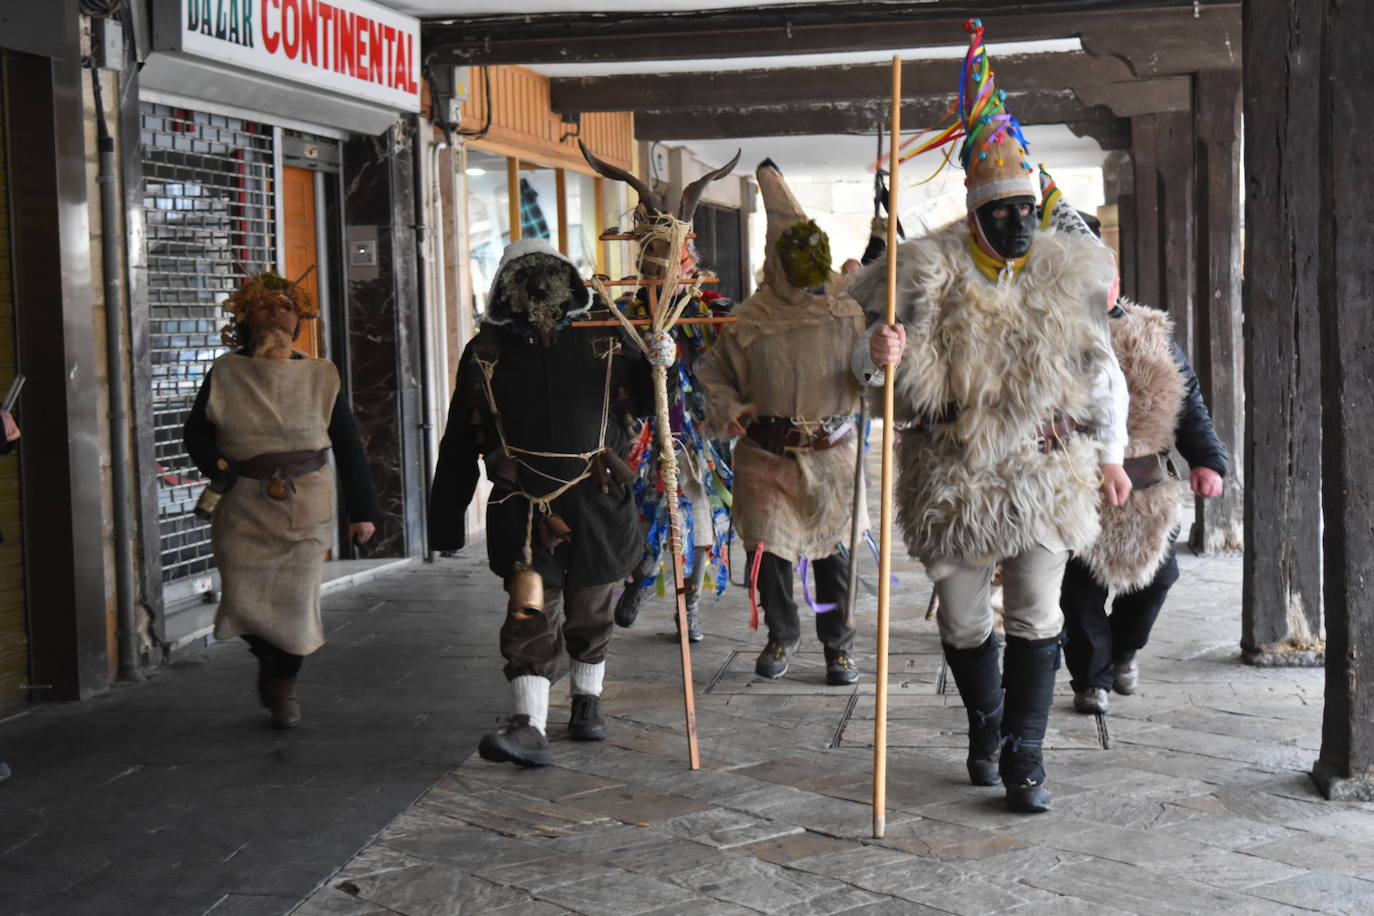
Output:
(301, 244)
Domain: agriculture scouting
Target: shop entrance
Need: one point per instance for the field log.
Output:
(301, 247)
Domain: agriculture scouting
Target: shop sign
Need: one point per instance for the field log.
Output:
(351, 47)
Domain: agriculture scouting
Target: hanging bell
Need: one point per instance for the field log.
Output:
(526, 593)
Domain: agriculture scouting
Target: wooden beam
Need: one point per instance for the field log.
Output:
(861, 83)
(820, 28)
(1346, 766)
(920, 112)
(1172, 43)
(1131, 98)
(1178, 256)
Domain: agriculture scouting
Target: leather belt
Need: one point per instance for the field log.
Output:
(282, 464)
(1146, 471)
(780, 435)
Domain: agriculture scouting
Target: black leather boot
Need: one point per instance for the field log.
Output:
(631, 600)
(1028, 676)
(980, 687)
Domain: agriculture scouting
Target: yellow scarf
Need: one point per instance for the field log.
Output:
(991, 267)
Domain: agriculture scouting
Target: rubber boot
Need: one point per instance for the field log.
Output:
(980, 687)
(1028, 675)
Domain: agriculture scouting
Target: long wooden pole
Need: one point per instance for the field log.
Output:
(663, 433)
(885, 491)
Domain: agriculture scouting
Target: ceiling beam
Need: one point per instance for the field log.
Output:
(793, 85)
(817, 28)
(1140, 97)
(846, 118)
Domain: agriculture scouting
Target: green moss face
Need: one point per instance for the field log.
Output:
(805, 254)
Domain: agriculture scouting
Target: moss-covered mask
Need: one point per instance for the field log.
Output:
(537, 288)
(804, 251)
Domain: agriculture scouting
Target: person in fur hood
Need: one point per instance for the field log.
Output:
(1134, 554)
(779, 380)
(1012, 413)
(541, 403)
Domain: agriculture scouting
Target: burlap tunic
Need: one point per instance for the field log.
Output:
(270, 552)
(789, 357)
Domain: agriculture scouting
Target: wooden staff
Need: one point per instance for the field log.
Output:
(885, 497)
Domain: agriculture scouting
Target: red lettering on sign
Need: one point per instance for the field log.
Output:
(410, 69)
(309, 44)
(344, 44)
(327, 60)
(269, 39)
(376, 57)
(290, 27)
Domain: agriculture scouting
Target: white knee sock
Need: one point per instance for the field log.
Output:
(586, 679)
(531, 694)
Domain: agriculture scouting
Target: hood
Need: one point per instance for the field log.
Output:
(784, 214)
(508, 308)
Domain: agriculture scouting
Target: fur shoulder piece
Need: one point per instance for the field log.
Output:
(1142, 339)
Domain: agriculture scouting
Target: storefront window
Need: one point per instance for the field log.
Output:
(539, 203)
(488, 222)
(582, 227)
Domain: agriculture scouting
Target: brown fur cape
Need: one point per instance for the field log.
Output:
(1135, 536)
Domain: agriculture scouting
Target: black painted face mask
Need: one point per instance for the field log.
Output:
(1008, 225)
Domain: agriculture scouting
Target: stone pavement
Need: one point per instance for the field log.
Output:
(1189, 797)
(172, 798)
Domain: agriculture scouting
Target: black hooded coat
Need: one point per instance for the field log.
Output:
(549, 399)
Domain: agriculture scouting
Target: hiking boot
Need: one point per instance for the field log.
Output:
(839, 669)
(1091, 701)
(774, 659)
(516, 742)
(586, 723)
(282, 702)
(631, 600)
(1125, 675)
(693, 618)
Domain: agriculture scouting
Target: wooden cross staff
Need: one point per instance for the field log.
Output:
(663, 320)
(885, 497)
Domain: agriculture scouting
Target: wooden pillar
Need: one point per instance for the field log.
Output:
(1175, 192)
(1282, 595)
(560, 178)
(1147, 257)
(1126, 226)
(1219, 347)
(1345, 302)
(513, 192)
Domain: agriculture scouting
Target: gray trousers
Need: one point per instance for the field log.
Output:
(1030, 597)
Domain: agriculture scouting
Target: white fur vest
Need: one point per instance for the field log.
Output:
(1005, 356)
(1136, 536)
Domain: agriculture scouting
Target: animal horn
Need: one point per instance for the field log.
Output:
(691, 195)
(646, 197)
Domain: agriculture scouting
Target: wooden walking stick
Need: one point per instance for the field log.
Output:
(885, 491)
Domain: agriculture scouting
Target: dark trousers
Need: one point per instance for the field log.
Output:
(580, 618)
(1096, 640)
(780, 611)
(280, 664)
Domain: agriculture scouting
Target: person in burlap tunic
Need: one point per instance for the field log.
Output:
(261, 426)
(779, 379)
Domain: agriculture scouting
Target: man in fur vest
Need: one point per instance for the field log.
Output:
(778, 378)
(1134, 554)
(540, 402)
(1012, 410)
